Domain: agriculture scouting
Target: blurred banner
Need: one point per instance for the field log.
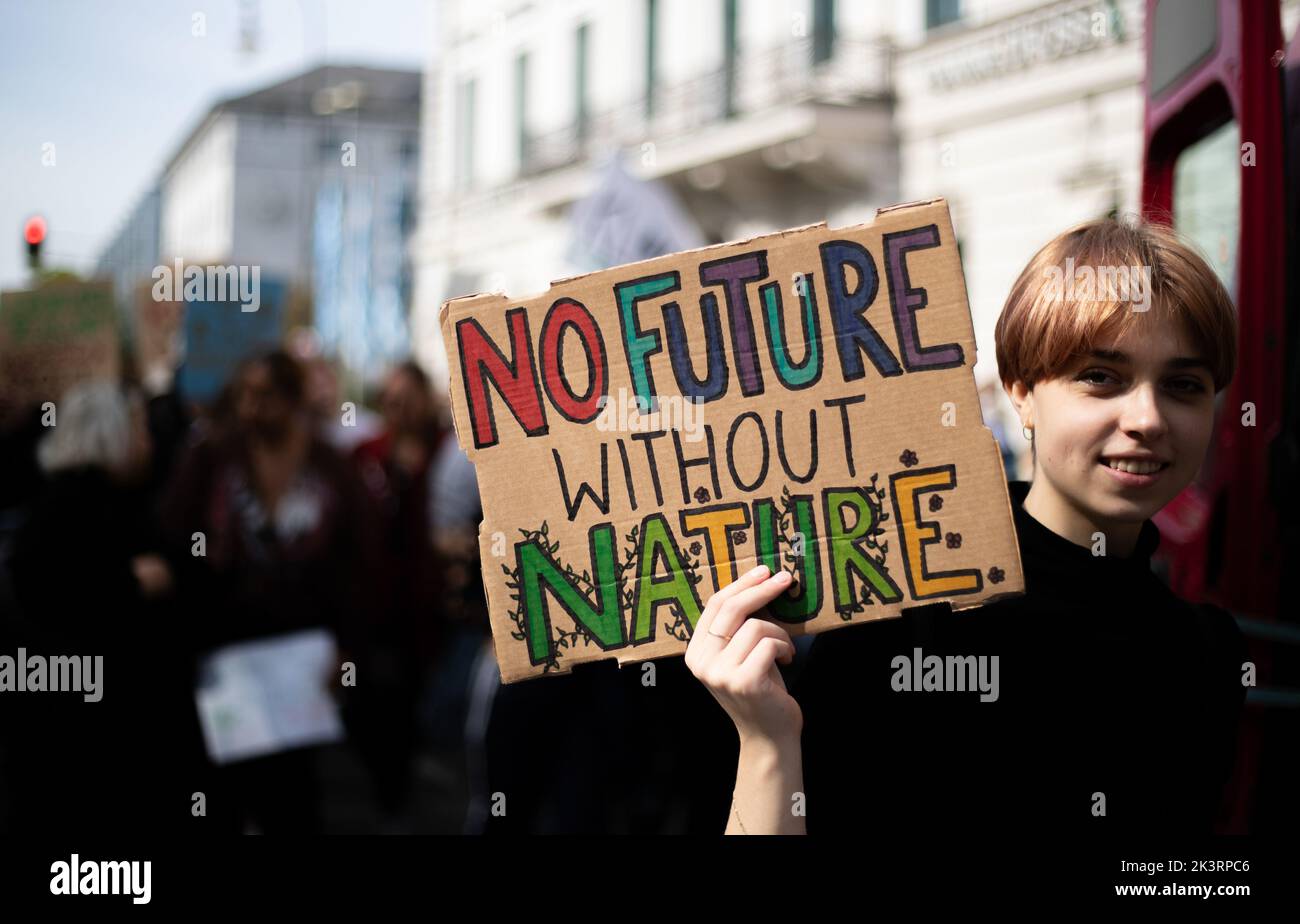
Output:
(626, 220)
(219, 335)
(52, 337)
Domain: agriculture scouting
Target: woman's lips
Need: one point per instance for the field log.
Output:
(1131, 479)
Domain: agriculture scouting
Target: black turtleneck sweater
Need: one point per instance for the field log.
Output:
(1107, 683)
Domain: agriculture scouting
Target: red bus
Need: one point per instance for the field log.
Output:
(1220, 163)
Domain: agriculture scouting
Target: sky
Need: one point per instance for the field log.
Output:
(116, 85)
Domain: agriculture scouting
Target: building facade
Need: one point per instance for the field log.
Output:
(754, 116)
(1027, 117)
(757, 115)
(1027, 123)
(132, 254)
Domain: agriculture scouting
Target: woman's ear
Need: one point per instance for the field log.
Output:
(1022, 398)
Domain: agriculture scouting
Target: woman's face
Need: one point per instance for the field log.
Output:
(259, 407)
(405, 404)
(1144, 397)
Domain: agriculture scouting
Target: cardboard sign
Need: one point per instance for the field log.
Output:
(54, 337)
(803, 400)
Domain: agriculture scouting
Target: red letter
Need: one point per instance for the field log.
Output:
(566, 313)
(514, 379)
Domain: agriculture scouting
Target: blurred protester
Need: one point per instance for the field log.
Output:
(89, 582)
(284, 529)
(458, 698)
(404, 632)
(551, 747)
(20, 475)
(20, 482)
(169, 421)
(344, 428)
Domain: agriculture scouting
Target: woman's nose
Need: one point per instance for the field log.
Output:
(1141, 414)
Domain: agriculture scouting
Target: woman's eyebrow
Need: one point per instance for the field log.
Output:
(1114, 356)
(1177, 362)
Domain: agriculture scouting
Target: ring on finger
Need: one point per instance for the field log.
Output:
(719, 635)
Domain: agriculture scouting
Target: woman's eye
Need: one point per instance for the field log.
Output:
(1095, 377)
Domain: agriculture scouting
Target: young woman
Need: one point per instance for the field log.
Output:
(1114, 703)
(289, 547)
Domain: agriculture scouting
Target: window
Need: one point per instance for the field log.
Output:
(651, 53)
(729, 13)
(823, 30)
(941, 12)
(406, 214)
(331, 148)
(521, 108)
(408, 149)
(1184, 35)
(1207, 199)
(464, 137)
(580, 71)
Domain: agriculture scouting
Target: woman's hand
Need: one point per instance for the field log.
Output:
(152, 574)
(736, 657)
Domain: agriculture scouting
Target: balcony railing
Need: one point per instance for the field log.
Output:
(758, 82)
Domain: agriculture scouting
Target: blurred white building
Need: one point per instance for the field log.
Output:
(1028, 120)
(766, 114)
(757, 115)
(314, 180)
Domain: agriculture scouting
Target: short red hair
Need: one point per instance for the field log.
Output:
(1044, 326)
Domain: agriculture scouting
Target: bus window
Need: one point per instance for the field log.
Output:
(1185, 33)
(1207, 199)
(1207, 212)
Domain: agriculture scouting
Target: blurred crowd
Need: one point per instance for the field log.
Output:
(154, 532)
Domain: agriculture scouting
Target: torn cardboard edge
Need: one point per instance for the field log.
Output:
(481, 304)
(777, 235)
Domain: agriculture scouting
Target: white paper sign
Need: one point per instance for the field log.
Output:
(269, 695)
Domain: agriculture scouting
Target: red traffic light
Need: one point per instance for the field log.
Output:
(34, 230)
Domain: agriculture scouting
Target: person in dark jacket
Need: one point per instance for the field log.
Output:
(90, 583)
(270, 533)
(1107, 684)
(1110, 704)
(405, 631)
